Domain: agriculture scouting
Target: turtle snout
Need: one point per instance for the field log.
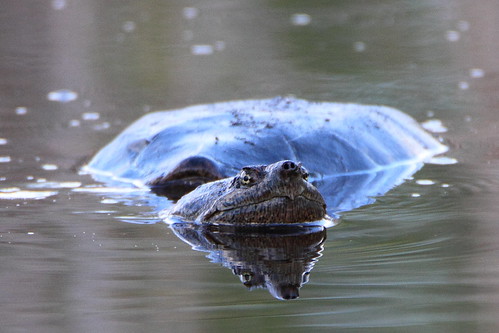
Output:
(293, 170)
(290, 168)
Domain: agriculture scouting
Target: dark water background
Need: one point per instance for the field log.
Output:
(425, 257)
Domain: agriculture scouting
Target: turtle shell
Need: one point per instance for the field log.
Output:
(329, 139)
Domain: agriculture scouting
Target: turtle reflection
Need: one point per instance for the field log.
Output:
(277, 258)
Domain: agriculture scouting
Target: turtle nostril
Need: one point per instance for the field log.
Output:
(289, 166)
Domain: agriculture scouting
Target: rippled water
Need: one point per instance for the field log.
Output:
(77, 257)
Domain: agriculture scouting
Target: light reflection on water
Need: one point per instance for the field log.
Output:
(411, 263)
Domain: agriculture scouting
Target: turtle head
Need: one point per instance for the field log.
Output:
(275, 193)
(185, 177)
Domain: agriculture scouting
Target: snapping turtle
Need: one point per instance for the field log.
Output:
(275, 193)
(174, 152)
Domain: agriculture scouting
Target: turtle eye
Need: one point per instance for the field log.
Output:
(305, 176)
(245, 179)
(246, 277)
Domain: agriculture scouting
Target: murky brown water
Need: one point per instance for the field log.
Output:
(74, 74)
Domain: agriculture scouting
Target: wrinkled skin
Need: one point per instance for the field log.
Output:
(276, 193)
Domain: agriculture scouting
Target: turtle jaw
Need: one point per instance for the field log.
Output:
(276, 210)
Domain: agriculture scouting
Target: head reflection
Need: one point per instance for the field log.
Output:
(276, 258)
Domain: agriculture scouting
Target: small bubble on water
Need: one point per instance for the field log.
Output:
(62, 96)
(201, 49)
(3, 141)
(452, 35)
(58, 4)
(21, 110)
(477, 73)
(102, 126)
(425, 182)
(41, 180)
(50, 167)
(415, 195)
(74, 123)
(190, 13)
(109, 201)
(463, 85)
(5, 159)
(128, 26)
(90, 116)
(30, 233)
(463, 25)
(300, 19)
(445, 185)
(359, 46)
(30, 177)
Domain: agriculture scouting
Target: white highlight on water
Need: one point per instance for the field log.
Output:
(90, 116)
(434, 126)
(62, 96)
(190, 13)
(452, 35)
(50, 167)
(58, 4)
(21, 110)
(442, 160)
(128, 26)
(359, 47)
(119, 190)
(202, 49)
(109, 201)
(300, 19)
(14, 193)
(55, 185)
(463, 85)
(425, 182)
(477, 73)
(103, 126)
(74, 123)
